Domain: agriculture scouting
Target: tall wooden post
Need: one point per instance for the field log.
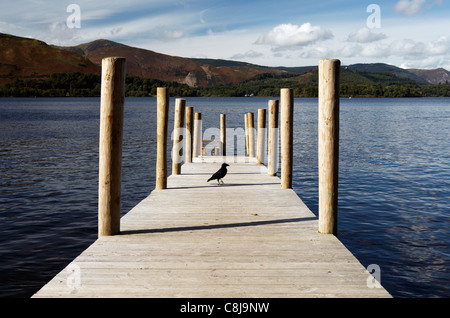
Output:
(110, 149)
(272, 165)
(251, 135)
(261, 146)
(162, 123)
(247, 152)
(328, 144)
(177, 150)
(287, 121)
(189, 131)
(223, 133)
(197, 147)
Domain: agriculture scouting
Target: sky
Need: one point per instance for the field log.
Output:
(405, 33)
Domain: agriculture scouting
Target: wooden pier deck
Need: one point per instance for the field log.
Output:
(247, 238)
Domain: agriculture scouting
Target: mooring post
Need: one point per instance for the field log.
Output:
(246, 135)
(188, 137)
(261, 145)
(162, 123)
(110, 150)
(223, 133)
(251, 135)
(197, 147)
(287, 123)
(177, 150)
(329, 70)
(272, 165)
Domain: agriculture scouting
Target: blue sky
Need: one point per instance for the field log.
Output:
(406, 33)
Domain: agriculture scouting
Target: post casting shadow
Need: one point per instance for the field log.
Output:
(217, 226)
(210, 185)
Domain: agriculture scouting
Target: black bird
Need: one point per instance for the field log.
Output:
(220, 173)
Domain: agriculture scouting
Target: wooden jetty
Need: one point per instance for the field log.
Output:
(246, 238)
(251, 237)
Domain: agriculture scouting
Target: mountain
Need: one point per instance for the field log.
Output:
(386, 68)
(23, 58)
(148, 64)
(352, 84)
(436, 76)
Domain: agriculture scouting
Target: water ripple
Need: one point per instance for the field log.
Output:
(393, 189)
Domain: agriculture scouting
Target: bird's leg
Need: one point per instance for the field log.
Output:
(222, 181)
(218, 182)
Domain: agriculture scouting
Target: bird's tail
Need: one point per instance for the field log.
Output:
(209, 179)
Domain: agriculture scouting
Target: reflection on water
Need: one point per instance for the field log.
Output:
(393, 187)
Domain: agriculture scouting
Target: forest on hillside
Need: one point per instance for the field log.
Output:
(353, 84)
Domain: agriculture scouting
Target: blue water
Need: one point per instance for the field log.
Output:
(394, 182)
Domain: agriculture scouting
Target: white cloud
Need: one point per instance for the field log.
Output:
(410, 8)
(59, 34)
(420, 54)
(420, 50)
(374, 51)
(405, 48)
(166, 34)
(9, 27)
(364, 35)
(290, 35)
(251, 54)
(428, 63)
(440, 46)
(100, 14)
(349, 50)
(317, 53)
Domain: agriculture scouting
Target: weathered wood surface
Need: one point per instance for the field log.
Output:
(246, 238)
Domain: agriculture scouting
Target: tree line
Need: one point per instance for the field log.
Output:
(88, 85)
(85, 85)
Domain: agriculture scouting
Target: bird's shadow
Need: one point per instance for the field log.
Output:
(224, 185)
(208, 174)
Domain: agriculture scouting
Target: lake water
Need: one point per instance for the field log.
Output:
(394, 184)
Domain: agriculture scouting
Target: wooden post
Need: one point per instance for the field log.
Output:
(162, 123)
(261, 146)
(272, 166)
(251, 135)
(189, 130)
(246, 135)
(287, 121)
(328, 144)
(110, 149)
(177, 150)
(197, 147)
(223, 133)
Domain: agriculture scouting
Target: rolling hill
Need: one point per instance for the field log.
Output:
(25, 59)
(148, 64)
(436, 76)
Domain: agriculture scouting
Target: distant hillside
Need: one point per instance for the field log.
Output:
(386, 68)
(297, 69)
(352, 83)
(228, 63)
(148, 64)
(436, 76)
(23, 58)
(29, 60)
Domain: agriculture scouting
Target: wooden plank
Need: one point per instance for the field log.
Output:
(246, 238)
